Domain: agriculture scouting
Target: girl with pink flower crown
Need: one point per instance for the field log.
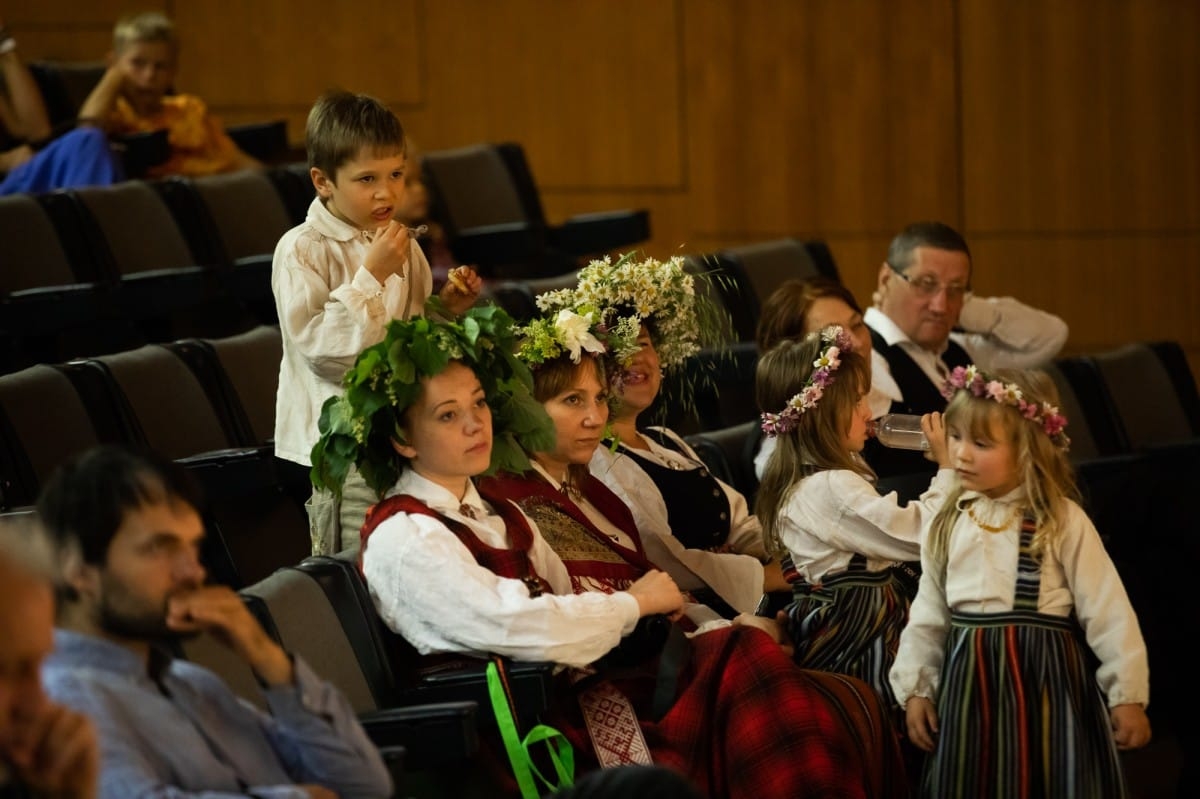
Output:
(994, 668)
(848, 553)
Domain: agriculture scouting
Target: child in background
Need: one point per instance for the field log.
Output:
(1015, 579)
(414, 212)
(339, 278)
(133, 97)
(844, 545)
(32, 158)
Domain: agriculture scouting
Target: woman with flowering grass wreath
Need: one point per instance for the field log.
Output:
(460, 569)
(694, 526)
(1018, 603)
(741, 720)
(844, 547)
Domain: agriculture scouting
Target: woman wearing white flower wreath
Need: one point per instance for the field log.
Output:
(844, 546)
(695, 527)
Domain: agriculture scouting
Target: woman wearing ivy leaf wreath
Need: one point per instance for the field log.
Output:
(455, 573)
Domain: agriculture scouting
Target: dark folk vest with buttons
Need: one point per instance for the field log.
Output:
(697, 507)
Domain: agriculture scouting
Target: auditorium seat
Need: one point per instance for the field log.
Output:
(712, 389)
(139, 249)
(769, 263)
(295, 187)
(234, 220)
(726, 285)
(48, 312)
(487, 202)
(416, 683)
(241, 374)
(158, 398)
(519, 297)
(253, 526)
(43, 422)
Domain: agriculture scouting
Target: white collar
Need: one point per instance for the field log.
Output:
(882, 324)
(329, 226)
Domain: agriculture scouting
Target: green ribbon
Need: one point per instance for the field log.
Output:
(562, 756)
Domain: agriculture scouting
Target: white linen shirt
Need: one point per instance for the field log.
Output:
(980, 577)
(997, 332)
(330, 309)
(835, 514)
(736, 576)
(427, 586)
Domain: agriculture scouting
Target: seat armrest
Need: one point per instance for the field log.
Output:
(531, 683)
(264, 141)
(508, 243)
(143, 150)
(431, 735)
(587, 234)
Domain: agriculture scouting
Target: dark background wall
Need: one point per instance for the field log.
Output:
(1062, 136)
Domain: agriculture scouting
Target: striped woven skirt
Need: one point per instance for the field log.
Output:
(850, 624)
(1020, 713)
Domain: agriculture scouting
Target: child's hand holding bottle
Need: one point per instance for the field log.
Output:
(935, 434)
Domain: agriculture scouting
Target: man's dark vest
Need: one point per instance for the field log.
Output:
(920, 395)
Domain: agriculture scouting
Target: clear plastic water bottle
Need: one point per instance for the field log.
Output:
(900, 431)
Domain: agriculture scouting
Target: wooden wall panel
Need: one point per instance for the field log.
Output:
(819, 116)
(591, 88)
(282, 54)
(1080, 115)
(68, 30)
(60, 14)
(1061, 136)
(1110, 289)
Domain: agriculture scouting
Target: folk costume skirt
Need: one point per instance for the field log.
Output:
(748, 724)
(850, 624)
(1021, 714)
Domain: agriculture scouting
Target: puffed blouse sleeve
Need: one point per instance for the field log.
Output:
(1104, 611)
(428, 587)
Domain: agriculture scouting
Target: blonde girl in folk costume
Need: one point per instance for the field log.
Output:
(844, 545)
(993, 667)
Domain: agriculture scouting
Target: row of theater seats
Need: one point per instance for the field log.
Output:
(207, 403)
(97, 270)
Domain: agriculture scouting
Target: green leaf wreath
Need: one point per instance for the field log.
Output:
(358, 426)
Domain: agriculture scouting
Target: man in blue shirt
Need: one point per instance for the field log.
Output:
(166, 726)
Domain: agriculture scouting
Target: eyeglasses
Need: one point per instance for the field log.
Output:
(927, 286)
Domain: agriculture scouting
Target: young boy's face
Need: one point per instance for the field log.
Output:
(367, 191)
(149, 69)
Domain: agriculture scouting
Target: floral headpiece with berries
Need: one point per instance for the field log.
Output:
(359, 425)
(837, 341)
(573, 331)
(663, 292)
(1044, 415)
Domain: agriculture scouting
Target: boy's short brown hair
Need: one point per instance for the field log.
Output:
(148, 26)
(342, 124)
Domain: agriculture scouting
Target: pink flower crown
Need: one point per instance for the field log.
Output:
(1044, 415)
(839, 341)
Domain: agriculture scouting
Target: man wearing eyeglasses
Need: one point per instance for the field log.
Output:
(925, 322)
